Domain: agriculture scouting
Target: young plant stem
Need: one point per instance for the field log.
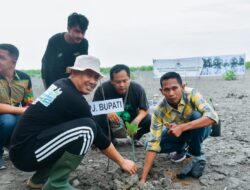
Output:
(133, 148)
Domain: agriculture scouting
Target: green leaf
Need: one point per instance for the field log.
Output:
(131, 128)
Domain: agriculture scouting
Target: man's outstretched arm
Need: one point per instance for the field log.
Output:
(149, 159)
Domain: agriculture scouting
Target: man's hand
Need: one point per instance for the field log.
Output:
(24, 109)
(142, 181)
(5, 108)
(128, 166)
(175, 130)
(113, 117)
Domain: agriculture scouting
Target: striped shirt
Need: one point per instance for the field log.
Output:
(164, 115)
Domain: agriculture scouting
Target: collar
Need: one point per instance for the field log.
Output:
(180, 106)
(16, 76)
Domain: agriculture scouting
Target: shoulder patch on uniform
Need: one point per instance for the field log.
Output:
(49, 95)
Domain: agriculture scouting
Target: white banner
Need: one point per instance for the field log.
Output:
(184, 66)
(200, 66)
(107, 106)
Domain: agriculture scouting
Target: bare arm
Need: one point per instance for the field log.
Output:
(127, 165)
(150, 156)
(142, 113)
(5, 108)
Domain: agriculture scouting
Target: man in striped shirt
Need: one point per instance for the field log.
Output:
(180, 123)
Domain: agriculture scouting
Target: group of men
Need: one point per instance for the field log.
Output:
(57, 129)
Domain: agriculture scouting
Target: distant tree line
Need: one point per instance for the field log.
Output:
(104, 70)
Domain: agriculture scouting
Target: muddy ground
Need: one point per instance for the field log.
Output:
(228, 156)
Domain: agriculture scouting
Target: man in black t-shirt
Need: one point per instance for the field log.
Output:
(63, 48)
(57, 130)
(134, 98)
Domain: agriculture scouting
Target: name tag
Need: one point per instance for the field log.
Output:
(107, 106)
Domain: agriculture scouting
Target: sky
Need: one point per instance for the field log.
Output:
(131, 32)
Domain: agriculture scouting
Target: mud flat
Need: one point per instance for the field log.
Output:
(228, 156)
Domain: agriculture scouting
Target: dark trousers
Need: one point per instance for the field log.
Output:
(193, 138)
(43, 150)
(7, 124)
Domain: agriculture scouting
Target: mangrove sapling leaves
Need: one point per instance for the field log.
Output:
(131, 128)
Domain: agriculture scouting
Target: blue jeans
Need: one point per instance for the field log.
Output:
(7, 124)
(192, 138)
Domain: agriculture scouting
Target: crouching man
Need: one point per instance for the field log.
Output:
(180, 123)
(57, 130)
(134, 100)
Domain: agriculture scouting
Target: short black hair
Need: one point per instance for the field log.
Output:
(117, 69)
(171, 75)
(13, 51)
(80, 20)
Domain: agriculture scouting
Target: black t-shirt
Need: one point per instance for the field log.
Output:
(60, 103)
(136, 99)
(59, 55)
